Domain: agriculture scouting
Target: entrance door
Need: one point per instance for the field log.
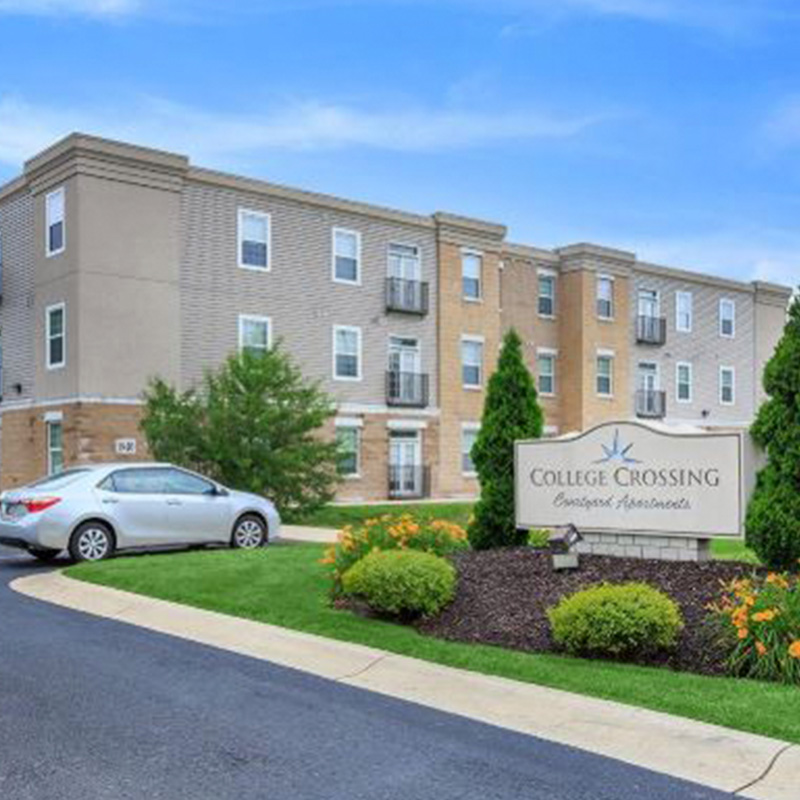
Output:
(404, 369)
(647, 384)
(404, 273)
(405, 463)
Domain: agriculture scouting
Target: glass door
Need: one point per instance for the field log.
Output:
(405, 464)
(404, 369)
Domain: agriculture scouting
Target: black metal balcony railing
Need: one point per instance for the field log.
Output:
(651, 330)
(651, 403)
(409, 297)
(409, 481)
(407, 389)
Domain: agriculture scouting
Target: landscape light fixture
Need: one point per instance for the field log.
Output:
(564, 557)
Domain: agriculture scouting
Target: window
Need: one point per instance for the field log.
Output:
(55, 239)
(404, 262)
(547, 294)
(471, 268)
(726, 386)
(727, 318)
(469, 433)
(176, 481)
(349, 441)
(255, 333)
(683, 312)
(605, 297)
(546, 372)
(605, 374)
(143, 480)
(55, 334)
(346, 256)
(254, 240)
(471, 362)
(683, 382)
(55, 447)
(346, 353)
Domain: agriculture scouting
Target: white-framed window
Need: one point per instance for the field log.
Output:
(404, 261)
(546, 303)
(605, 374)
(348, 437)
(683, 312)
(727, 318)
(469, 434)
(546, 372)
(683, 382)
(346, 353)
(471, 275)
(56, 336)
(346, 263)
(727, 386)
(55, 232)
(255, 333)
(55, 446)
(471, 362)
(605, 297)
(254, 240)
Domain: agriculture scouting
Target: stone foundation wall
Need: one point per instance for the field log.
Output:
(637, 545)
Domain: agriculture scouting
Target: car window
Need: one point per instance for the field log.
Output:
(144, 480)
(60, 478)
(180, 482)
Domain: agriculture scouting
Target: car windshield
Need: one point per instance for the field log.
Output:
(60, 479)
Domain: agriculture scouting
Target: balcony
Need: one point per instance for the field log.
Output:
(407, 389)
(409, 481)
(651, 403)
(407, 297)
(651, 330)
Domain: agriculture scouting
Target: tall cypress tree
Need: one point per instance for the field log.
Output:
(773, 514)
(511, 412)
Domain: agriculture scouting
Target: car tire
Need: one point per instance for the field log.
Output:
(44, 553)
(91, 541)
(249, 533)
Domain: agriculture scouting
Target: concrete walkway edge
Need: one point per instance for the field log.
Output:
(749, 765)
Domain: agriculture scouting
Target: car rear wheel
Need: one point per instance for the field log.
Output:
(44, 553)
(249, 533)
(91, 541)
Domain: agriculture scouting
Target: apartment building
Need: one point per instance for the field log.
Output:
(121, 263)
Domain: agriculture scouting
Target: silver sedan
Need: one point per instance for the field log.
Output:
(93, 511)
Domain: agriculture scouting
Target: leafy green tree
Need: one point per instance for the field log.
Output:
(511, 412)
(773, 515)
(253, 425)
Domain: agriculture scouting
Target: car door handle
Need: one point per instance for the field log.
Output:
(110, 500)
(174, 503)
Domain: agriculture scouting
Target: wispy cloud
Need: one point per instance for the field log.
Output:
(216, 137)
(82, 8)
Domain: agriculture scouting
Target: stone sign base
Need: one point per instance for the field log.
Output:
(636, 545)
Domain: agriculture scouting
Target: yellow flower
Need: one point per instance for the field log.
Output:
(743, 633)
(794, 649)
(761, 648)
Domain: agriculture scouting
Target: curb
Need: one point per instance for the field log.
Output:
(745, 764)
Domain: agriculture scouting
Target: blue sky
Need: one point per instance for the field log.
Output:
(670, 127)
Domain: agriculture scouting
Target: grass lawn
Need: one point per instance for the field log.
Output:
(285, 585)
(338, 516)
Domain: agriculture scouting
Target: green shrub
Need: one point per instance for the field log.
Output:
(617, 620)
(761, 618)
(402, 582)
(538, 537)
(388, 532)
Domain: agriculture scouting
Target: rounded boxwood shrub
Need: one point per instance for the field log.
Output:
(404, 583)
(616, 620)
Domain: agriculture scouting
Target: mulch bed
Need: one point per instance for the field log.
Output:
(503, 596)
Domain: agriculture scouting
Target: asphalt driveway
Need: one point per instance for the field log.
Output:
(92, 708)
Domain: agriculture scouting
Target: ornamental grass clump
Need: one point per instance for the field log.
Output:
(402, 583)
(389, 532)
(761, 619)
(619, 620)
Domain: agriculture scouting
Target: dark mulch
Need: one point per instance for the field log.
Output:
(503, 596)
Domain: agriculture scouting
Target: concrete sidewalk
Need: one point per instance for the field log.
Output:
(304, 533)
(733, 761)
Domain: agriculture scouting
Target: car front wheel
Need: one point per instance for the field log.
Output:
(92, 541)
(250, 532)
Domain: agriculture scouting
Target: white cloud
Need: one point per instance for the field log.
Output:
(83, 8)
(215, 137)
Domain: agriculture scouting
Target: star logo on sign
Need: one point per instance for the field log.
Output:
(617, 452)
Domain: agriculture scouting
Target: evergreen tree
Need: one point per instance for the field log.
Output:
(773, 514)
(511, 412)
(254, 425)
